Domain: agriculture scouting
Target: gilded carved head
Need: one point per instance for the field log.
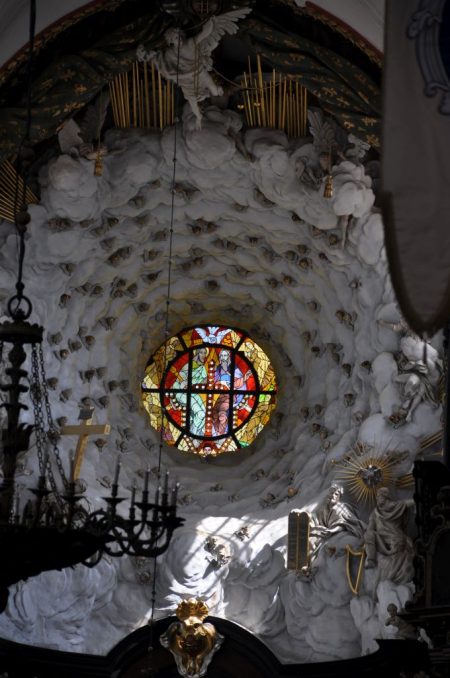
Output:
(191, 642)
(192, 608)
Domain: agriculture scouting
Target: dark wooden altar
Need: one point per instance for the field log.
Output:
(241, 656)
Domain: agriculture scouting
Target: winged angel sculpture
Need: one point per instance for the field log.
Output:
(83, 138)
(188, 61)
(330, 143)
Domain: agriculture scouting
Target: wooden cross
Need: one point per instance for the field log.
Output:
(83, 431)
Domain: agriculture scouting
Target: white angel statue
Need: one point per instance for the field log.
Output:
(189, 61)
(83, 139)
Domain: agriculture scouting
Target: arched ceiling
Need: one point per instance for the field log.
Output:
(77, 57)
(364, 16)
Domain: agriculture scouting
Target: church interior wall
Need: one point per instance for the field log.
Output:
(257, 246)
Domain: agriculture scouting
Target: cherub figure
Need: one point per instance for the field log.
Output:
(192, 642)
(188, 61)
(405, 631)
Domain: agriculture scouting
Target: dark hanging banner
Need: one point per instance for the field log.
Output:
(415, 159)
(344, 90)
(72, 81)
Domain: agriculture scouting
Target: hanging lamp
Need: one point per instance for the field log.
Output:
(50, 529)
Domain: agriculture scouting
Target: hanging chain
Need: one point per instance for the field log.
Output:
(151, 648)
(53, 433)
(1, 363)
(39, 396)
(21, 218)
(35, 394)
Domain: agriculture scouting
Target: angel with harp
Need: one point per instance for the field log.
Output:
(188, 61)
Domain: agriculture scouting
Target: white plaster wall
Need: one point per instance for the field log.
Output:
(98, 249)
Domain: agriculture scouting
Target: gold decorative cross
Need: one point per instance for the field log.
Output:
(83, 431)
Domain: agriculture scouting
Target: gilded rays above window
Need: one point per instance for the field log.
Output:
(209, 390)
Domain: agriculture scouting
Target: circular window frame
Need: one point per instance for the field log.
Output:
(235, 388)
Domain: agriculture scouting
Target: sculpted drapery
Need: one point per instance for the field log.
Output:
(386, 542)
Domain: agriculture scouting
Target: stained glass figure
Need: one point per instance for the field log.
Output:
(209, 390)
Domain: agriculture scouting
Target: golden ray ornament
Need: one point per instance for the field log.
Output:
(274, 100)
(142, 98)
(432, 445)
(364, 470)
(405, 482)
(12, 188)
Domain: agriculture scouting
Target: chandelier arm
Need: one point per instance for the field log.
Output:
(54, 531)
(94, 560)
(116, 534)
(122, 536)
(152, 549)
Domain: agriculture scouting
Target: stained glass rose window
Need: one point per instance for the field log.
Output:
(209, 390)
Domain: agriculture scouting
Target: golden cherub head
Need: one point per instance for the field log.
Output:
(192, 608)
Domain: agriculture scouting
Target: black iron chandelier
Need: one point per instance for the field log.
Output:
(54, 529)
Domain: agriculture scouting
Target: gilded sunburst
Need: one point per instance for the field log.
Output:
(364, 470)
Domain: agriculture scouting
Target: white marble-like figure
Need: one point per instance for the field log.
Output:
(386, 542)
(332, 516)
(420, 372)
(188, 61)
(358, 149)
(83, 139)
(405, 631)
(324, 137)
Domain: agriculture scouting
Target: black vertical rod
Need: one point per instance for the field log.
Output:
(446, 412)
